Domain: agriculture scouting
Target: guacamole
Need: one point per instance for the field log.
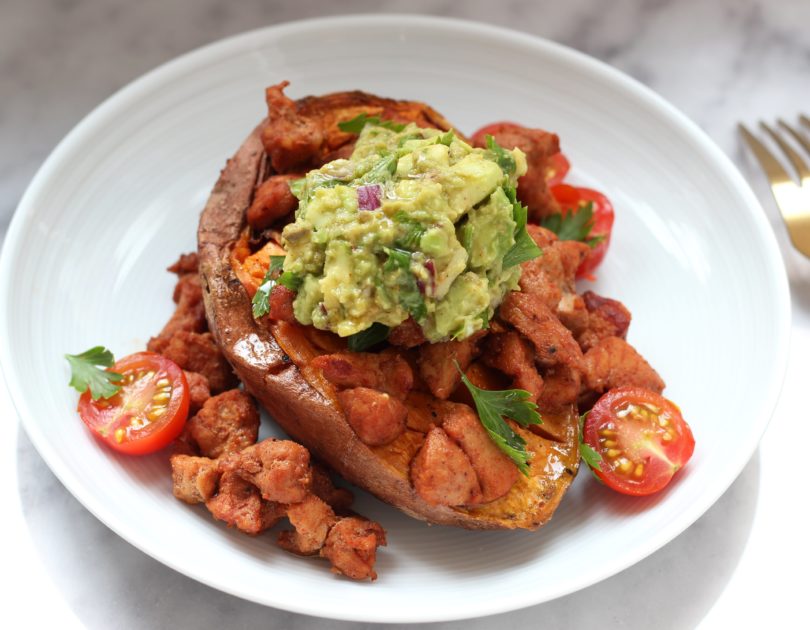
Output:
(416, 223)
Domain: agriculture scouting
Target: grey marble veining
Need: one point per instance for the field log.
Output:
(718, 61)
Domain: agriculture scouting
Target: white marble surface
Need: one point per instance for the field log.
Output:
(719, 61)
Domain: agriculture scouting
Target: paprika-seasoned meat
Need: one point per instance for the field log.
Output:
(199, 353)
(613, 362)
(339, 499)
(198, 391)
(312, 518)
(189, 315)
(442, 473)
(377, 418)
(389, 373)
(561, 386)
(194, 479)
(495, 471)
(437, 364)
(187, 263)
(606, 318)
(278, 468)
(281, 304)
(272, 200)
(552, 341)
(239, 504)
(227, 423)
(514, 356)
(351, 547)
(407, 335)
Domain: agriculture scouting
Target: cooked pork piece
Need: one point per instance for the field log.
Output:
(613, 362)
(272, 200)
(339, 499)
(199, 353)
(437, 364)
(389, 373)
(194, 479)
(187, 263)
(312, 518)
(198, 391)
(407, 335)
(351, 547)
(514, 356)
(442, 473)
(239, 504)
(377, 418)
(281, 304)
(189, 315)
(606, 318)
(227, 423)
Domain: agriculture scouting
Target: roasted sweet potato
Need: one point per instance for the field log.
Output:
(277, 363)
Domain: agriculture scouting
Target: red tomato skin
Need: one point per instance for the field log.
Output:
(557, 169)
(570, 199)
(658, 473)
(95, 414)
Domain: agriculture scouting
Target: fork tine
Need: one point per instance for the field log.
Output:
(795, 159)
(802, 140)
(773, 169)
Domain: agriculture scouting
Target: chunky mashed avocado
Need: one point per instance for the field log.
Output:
(416, 222)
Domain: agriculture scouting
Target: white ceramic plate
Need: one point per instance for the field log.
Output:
(692, 257)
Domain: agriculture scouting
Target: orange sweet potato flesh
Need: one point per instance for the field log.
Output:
(302, 402)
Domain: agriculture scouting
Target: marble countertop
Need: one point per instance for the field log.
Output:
(720, 62)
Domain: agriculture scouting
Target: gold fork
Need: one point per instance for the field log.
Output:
(792, 199)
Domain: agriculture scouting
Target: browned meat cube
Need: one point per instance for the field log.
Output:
(198, 353)
(351, 547)
(312, 518)
(514, 356)
(278, 468)
(606, 318)
(272, 201)
(227, 423)
(198, 391)
(189, 316)
(386, 372)
(407, 335)
(281, 304)
(442, 473)
(322, 486)
(187, 263)
(194, 479)
(553, 342)
(376, 417)
(561, 385)
(437, 367)
(615, 363)
(495, 471)
(239, 504)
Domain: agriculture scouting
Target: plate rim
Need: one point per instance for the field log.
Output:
(240, 43)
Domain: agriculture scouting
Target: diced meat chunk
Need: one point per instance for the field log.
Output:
(278, 468)
(281, 304)
(312, 518)
(376, 417)
(407, 335)
(572, 313)
(351, 547)
(273, 200)
(198, 353)
(339, 499)
(188, 316)
(187, 263)
(198, 391)
(290, 140)
(553, 342)
(613, 362)
(194, 479)
(606, 318)
(514, 356)
(227, 423)
(437, 364)
(239, 504)
(496, 472)
(442, 474)
(561, 386)
(386, 372)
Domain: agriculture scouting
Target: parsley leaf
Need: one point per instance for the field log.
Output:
(381, 171)
(504, 158)
(524, 248)
(85, 374)
(492, 406)
(410, 297)
(261, 300)
(586, 451)
(369, 337)
(356, 124)
(574, 225)
(413, 231)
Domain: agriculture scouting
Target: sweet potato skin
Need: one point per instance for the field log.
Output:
(309, 416)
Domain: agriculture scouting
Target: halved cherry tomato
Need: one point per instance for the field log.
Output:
(642, 438)
(557, 168)
(150, 410)
(572, 199)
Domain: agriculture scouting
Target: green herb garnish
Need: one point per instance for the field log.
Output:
(381, 171)
(371, 336)
(446, 138)
(493, 406)
(586, 451)
(413, 231)
(524, 248)
(574, 226)
(85, 374)
(356, 124)
(410, 297)
(261, 300)
(504, 158)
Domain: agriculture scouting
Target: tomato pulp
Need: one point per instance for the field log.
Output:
(149, 411)
(641, 437)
